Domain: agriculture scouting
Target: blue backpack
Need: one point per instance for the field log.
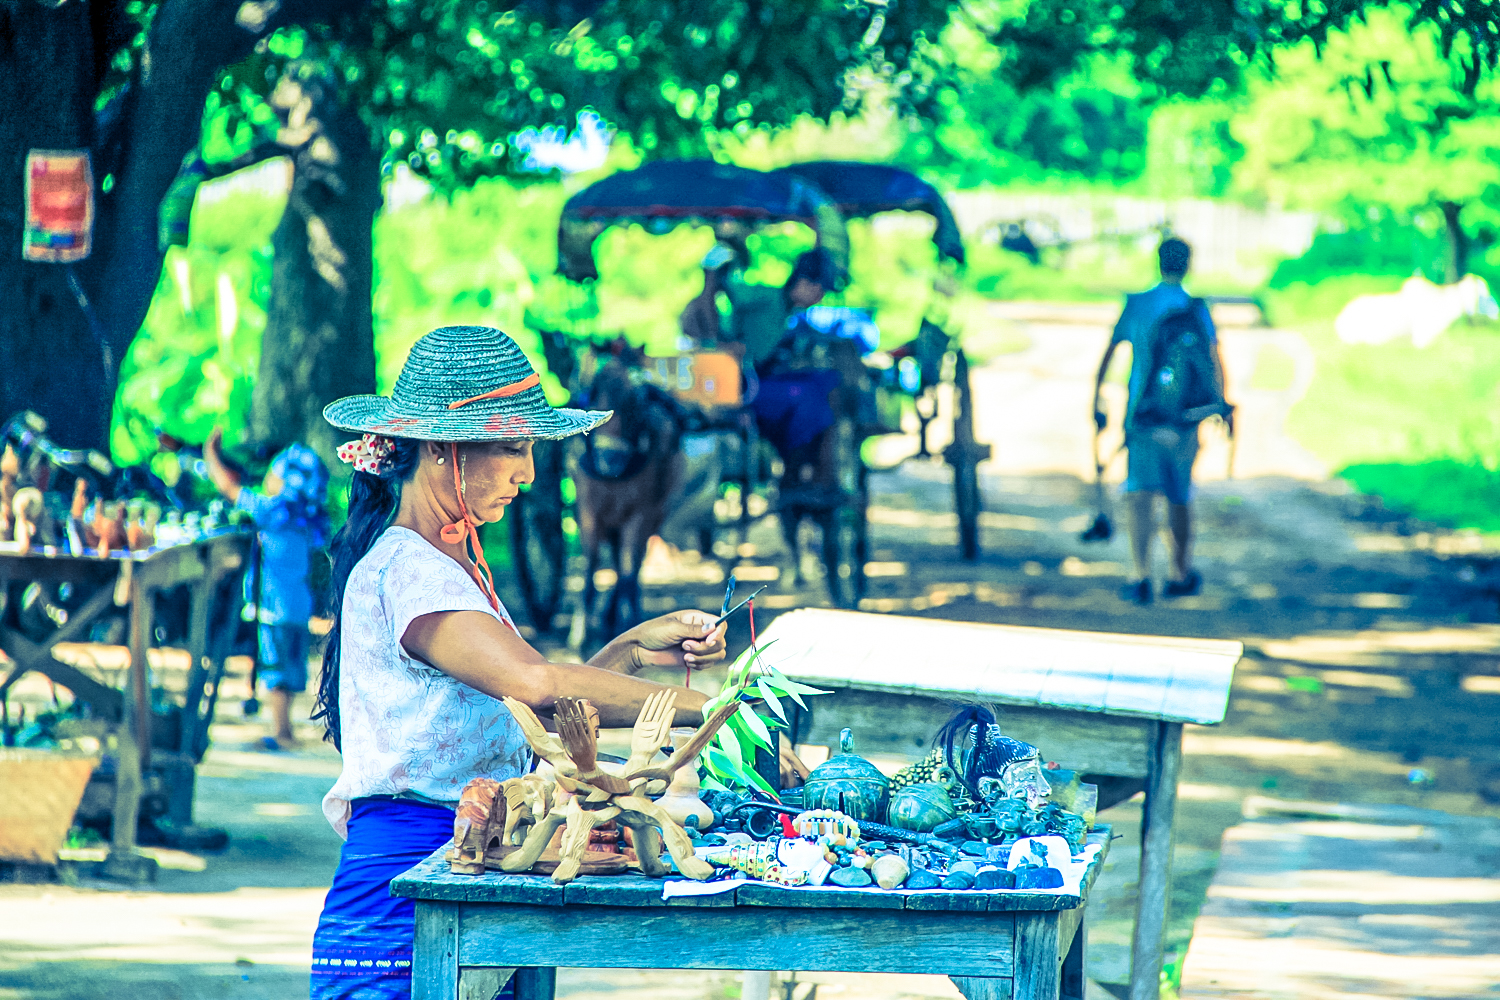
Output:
(1182, 386)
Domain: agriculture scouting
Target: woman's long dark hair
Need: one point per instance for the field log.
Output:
(372, 503)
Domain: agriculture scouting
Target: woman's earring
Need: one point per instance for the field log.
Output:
(440, 460)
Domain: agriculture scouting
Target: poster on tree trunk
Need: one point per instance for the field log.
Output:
(59, 205)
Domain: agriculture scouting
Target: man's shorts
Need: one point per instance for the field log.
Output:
(283, 657)
(1161, 461)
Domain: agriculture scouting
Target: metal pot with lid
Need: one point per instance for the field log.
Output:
(848, 783)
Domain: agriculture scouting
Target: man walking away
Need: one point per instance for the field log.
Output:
(1176, 381)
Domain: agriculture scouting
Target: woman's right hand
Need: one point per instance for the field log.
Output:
(682, 639)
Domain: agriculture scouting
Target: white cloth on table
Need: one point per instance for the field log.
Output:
(409, 729)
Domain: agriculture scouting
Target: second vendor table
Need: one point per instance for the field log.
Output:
(1105, 704)
(209, 566)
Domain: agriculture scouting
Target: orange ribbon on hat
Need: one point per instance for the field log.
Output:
(504, 392)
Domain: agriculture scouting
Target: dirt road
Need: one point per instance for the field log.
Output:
(1372, 674)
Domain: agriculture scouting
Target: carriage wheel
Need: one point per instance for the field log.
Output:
(964, 454)
(845, 539)
(536, 535)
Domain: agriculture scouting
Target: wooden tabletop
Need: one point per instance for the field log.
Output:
(1153, 677)
(433, 881)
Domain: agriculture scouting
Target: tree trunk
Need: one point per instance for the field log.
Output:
(319, 342)
(1458, 243)
(50, 361)
(64, 328)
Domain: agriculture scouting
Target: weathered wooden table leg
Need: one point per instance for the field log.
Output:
(536, 984)
(198, 672)
(133, 750)
(434, 967)
(1156, 862)
(984, 989)
(1038, 964)
(1074, 983)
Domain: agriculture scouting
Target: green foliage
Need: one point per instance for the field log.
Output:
(1377, 116)
(475, 259)
(1384, 248)
(1204, 49)
(1458, 494)
(446, 84)
(192, 365)
(1090, 123)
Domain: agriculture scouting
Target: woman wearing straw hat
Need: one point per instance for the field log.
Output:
(422, 650)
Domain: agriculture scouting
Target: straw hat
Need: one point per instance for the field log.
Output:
(463, 383)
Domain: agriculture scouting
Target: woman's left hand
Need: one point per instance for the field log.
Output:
(681, 639)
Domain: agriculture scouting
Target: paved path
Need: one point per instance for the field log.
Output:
(1323, 902)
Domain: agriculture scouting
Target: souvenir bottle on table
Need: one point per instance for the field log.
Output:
(681, 797)
(848, 783)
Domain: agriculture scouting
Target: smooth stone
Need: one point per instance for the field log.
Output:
(975, 848)
(921, 878)
(995, 878)
(959, 880)
(889, 871)
(1038, 878)
(969, 868)
(850, 878)
(737, 839)
(874, 845)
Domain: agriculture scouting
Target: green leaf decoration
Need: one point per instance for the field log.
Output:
(756, 725)
(768, 693)
(731, 744)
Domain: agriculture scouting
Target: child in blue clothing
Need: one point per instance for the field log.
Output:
(289, 512)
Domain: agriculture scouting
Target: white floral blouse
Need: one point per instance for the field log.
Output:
(409, 729)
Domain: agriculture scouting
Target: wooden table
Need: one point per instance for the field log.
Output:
(1106, 705)
(210, 567)
(473, 932)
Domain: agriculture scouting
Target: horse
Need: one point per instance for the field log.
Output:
(626, 473)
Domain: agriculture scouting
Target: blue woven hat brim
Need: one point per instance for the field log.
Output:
(379, 415)
(462, 363)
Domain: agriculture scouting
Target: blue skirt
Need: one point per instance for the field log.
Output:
(362, 948)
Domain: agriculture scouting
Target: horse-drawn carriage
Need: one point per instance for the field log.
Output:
(698, 405)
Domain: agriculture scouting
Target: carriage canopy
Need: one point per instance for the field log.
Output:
(667, 193)
(863, 189)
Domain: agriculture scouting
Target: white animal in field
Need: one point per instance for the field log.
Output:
(1421, 309)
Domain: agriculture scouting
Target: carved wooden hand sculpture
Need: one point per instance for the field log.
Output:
(546, 746)
(653, 728)
(577, 732)
(690, 750)
(589, 796)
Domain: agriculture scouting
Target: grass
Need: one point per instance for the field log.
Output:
(1417, 426)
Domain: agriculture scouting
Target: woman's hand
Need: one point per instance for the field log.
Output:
(793, 771)
(682, 639)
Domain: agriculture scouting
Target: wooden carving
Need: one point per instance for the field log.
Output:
(588, 796)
